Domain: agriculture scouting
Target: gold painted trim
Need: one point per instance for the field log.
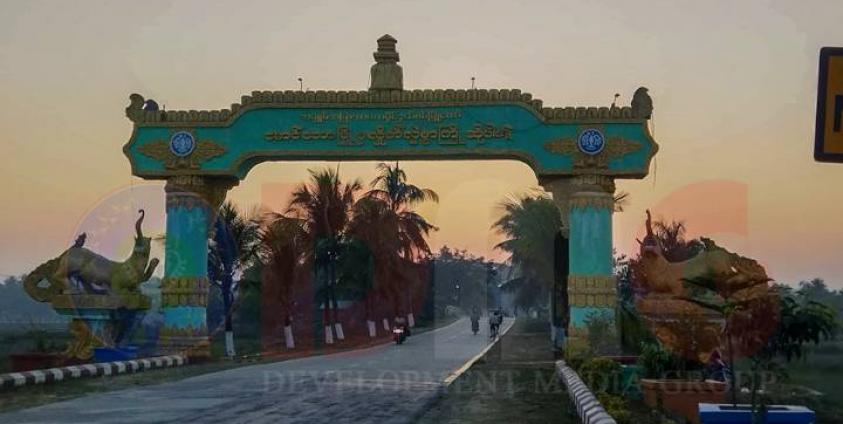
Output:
(202, 152)
(592, 290)
(184, 291)
(591, 200)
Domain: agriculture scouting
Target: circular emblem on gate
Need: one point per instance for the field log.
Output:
(182, 143)
(591, 141)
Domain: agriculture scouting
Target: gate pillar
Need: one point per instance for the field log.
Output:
(192, 205)
(560, 188)
(589, 200)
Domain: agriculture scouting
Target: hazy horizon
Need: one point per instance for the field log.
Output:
(733, 85)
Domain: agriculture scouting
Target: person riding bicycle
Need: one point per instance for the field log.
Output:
(475, 319)
(495, 319)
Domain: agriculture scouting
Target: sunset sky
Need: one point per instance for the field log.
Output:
(733, 84)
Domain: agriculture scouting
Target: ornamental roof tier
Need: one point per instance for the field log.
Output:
(393, 98)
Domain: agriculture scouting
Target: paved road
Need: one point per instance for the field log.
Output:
(384, 384)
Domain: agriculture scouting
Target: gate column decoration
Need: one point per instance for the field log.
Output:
(192, 203)
(202, 154)
(591, 283)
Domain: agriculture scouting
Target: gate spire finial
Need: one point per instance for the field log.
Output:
(386, 73)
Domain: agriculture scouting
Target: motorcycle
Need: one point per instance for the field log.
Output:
(399, 335)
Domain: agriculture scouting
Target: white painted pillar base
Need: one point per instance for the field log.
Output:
(340, 334)
(372, 332)
(329, 335)
(288, 337)
(411, 320)
(386, 325)
(229, 343)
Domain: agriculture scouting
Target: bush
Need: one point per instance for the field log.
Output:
(655, 361)
(601, 375)
(602, 333)
(576, 355)
(617, 407)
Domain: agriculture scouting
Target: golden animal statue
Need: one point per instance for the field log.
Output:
(100, 295)
(677, 292)
(96, 274)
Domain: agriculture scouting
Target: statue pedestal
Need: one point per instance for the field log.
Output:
(99, 320)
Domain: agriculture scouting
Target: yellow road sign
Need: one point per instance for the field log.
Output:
(828, 140)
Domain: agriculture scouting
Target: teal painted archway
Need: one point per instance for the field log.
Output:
(576, 152)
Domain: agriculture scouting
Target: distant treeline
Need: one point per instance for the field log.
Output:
(818, 291)
(16, 307)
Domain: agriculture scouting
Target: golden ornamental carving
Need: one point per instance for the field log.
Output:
(184, 332)
(141, 112)
(82, 345)
(193, 191)
(592, 290)
(160, 150)
(184, 291)
(615, 147)
(592, 200)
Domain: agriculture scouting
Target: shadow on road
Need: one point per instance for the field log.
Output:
(513, 382)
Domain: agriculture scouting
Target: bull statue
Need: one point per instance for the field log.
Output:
(101, 296)
(81, 271)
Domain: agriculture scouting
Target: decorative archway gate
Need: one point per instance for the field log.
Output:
(576, 154)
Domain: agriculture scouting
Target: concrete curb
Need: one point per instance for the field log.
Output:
(588, 407)
(459, 371)
(51, 375)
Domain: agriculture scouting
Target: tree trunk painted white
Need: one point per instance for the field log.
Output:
(288, 337)
(229, 343)
(372, 330)
(329, 335)
(386, 325)
(411, 320)
(340, 334)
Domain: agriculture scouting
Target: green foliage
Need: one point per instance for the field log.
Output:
(577, 355)
(601, 375)
(530, 224)
(617, 407)
(817, 290)
(634, 331)
(800, 324)
(458, 267)
(602, 333)
(655, 361)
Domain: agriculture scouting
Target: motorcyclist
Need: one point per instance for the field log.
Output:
(401, 323)
(400, 330)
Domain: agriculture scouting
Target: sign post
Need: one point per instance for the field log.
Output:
(828, 141)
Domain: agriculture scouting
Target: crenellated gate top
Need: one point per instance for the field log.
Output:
(387, 122)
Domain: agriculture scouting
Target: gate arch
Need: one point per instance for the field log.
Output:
(576, 153)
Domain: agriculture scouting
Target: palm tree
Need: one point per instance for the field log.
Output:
(621, 199)
(376, 227)
(391, 188)
(231, 250)
(530, 224)
(282, 249)
(324, 207)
